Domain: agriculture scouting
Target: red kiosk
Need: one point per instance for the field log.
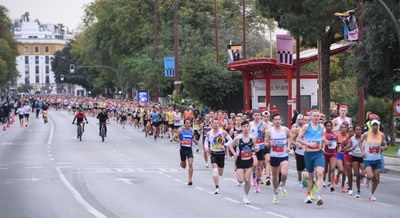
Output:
(267, 68)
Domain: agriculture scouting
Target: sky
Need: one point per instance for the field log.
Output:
(67, 12)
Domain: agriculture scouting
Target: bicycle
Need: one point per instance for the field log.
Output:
(79, 130)
(102, 131)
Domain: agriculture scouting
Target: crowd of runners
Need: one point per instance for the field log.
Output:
(334, 153)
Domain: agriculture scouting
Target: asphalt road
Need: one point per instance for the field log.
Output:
(46, 172)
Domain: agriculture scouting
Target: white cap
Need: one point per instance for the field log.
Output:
(373, 122)
(300, 116)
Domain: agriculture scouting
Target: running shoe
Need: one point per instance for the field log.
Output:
(304, 180)
(328, 184)
(332, 188)
(206, 165)
(283, 191)
(246, 200)
(371, 198)
(336, 180)
(313, 191)
(267, 181)
(254, 182)
(275, 199)
(358, 195)
(190, 183)
(197, 149)
(308, 200)
(343, 189)
(319, 201)
(350, 193)
(324, 185)
(217, 191)
(257, 189)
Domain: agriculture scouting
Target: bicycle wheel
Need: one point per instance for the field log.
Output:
(102, 133)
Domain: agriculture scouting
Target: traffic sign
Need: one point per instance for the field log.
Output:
(396, 106)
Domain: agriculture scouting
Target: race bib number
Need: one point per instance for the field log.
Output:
(246, 155)
(186, 143)
(374, 150)
(259, 141)
(278, 149)
(177, 121)
(216, 147)
(333, 144)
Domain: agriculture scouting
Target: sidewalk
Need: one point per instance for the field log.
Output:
(392, 165)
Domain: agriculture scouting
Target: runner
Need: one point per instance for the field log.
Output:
(185, 136)
(313, 155)
(337, 122)
(374, 144)
(242, 148)
(267, 156)
(355, 147)
(342, 142)
(298, 148)
(257, 129)
(27, 111)
(330, 153)
(205, 127)
(214, 142)
(278, 139)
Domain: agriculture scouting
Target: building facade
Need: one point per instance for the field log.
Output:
(37, 46)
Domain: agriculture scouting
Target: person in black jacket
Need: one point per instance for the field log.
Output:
(103, 117)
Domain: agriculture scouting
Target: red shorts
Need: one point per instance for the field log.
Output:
(348, 158)
(328, 156)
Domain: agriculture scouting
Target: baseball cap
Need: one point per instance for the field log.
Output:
(300, 116)
(373, 122)
(265, 113)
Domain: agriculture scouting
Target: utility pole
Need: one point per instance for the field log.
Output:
(298, 74)
(216, 30)
(244, 29)
(155, 47)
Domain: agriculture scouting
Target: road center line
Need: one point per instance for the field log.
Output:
(385, 177)
(387, 205)
(51, 132)
(275, 214)
(199, 188)
(253, 207)
(231, 200)
(78, 196)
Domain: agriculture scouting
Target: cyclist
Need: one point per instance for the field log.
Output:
(103, 117)
(79, 118)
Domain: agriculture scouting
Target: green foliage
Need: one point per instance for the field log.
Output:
(24, 88)
(8, 50)
(379, 52)
(344, 89)
(382, 107)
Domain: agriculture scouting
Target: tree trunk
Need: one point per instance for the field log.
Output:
(325, 77)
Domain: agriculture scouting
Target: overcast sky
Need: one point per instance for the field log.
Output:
(68, 12)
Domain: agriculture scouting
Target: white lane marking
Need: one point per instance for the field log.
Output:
(168, 176)
(130, 158)
(385, 177)
(253, 207)
(178, 180)
(387, 205)
(94, 163)
(52, 159)
(230, 179)
(121, 155)
(231, 200)
(275, 214)
(78, 196)
(49, 155)
(48, 147)
(51, 132)
(48, 151)
(64, 163)
(114, 150)
(33, 167)
(199, 188)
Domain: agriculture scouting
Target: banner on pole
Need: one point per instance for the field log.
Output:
(235, 53)
(143, 96)
(169, 66)
(284, 44)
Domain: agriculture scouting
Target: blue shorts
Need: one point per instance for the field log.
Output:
(374, 164)
(339, 156)
(276, 161)
(314, 159)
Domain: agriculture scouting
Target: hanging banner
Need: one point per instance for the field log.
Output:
(169, 66)
(235, 53)
(284, 45)
(350, 25)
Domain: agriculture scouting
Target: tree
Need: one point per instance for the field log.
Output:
(8, 50)
(312, 20)
(379, 51)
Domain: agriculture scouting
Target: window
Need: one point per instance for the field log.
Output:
(26, 69)
(47, 69)
(261, 99)
(26, 59)
(46, 49)
(47, 59)
(36, 59)
(36, 49)
(37, 69)
(26, 79)
(47, 79)
(37, 78)
(26, 49)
